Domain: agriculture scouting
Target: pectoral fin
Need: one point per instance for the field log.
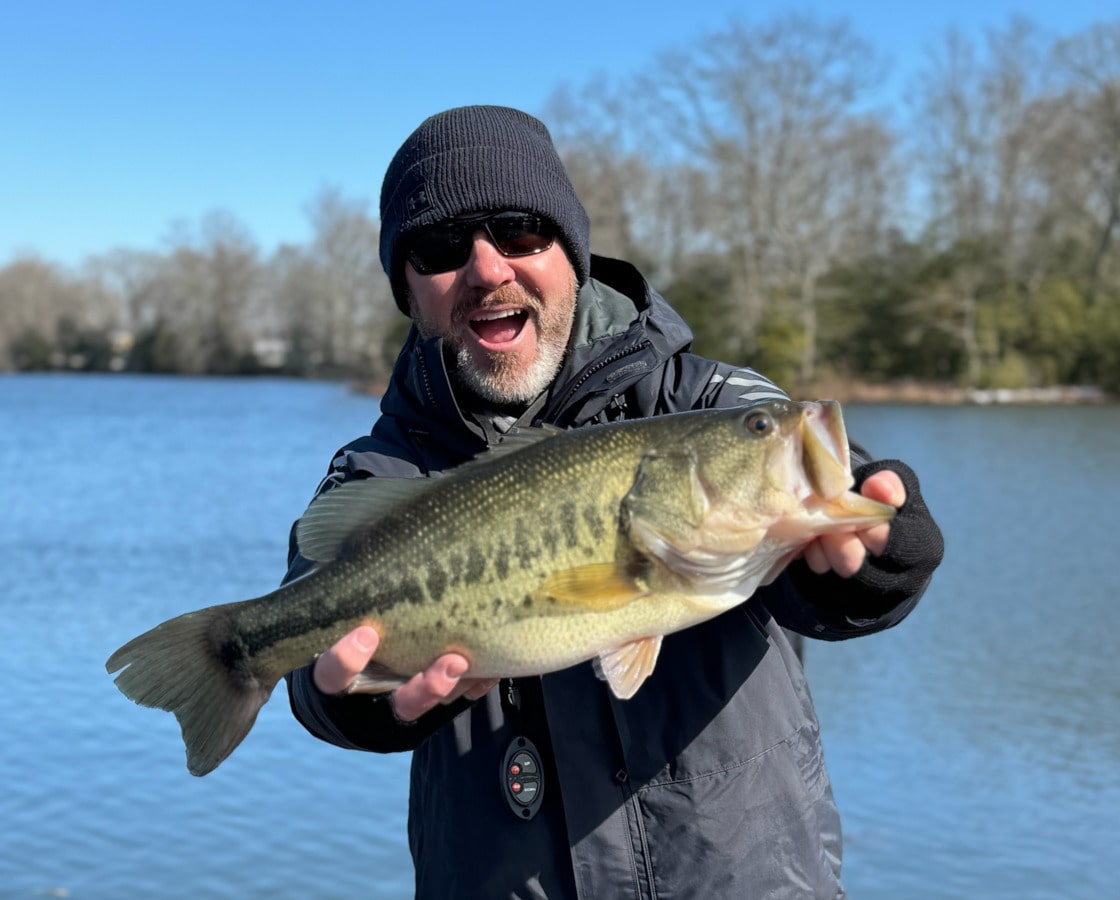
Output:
(626, 668)
(596, 587)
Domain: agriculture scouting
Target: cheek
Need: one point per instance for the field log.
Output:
(553, 279)
(556, 286)
(547, 274)
(432, 297)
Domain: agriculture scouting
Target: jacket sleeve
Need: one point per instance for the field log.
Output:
(361, 721)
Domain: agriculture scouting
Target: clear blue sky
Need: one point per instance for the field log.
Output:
(118, 119)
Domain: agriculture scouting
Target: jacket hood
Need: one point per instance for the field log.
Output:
(623, 329)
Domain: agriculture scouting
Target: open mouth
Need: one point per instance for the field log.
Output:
(499, 326)
(825, 455)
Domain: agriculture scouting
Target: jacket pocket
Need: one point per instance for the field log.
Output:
(722, 694)
(768, 828)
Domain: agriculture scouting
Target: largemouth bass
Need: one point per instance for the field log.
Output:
(557, 548)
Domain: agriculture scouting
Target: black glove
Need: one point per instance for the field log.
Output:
(885, 582)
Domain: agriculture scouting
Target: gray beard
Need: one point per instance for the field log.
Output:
(497, 384)
(500, 387)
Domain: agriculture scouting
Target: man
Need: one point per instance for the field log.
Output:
(710, 781)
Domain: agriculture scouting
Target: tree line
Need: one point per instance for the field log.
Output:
(965, 235)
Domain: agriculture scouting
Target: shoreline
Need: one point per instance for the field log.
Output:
(910, 393)
(913, 393)
(924, 394)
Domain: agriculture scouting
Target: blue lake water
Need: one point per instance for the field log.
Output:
(974, 750)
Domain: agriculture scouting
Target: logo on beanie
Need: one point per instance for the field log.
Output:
(417, 202)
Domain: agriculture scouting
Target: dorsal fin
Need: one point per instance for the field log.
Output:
(338, 513)
(335, 515)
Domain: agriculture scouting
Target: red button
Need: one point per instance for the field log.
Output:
(516, 787)
(515, 769)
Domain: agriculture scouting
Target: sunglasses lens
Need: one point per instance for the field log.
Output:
(520, 234)
(440, 248)
(447, 246)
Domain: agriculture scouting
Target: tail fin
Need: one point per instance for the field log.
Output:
(196, 667)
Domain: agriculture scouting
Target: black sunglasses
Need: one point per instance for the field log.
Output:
(447, 246)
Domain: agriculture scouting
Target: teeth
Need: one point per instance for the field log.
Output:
(494, 316)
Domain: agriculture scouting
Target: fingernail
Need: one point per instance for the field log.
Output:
(456, 668)
(365, 639)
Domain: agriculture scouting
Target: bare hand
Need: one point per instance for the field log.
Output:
(441, 682)
(845, 553)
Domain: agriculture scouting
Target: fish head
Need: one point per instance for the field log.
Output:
(739, 494)
(785, 466)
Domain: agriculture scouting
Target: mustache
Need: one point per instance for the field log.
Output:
(507, 295)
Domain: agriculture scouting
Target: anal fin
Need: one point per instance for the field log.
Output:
(376, 679)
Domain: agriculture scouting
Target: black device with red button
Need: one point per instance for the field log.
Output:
(522, 778)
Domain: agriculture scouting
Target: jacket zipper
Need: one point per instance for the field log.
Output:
(599, 366)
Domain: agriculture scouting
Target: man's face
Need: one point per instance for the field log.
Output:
(506, 319)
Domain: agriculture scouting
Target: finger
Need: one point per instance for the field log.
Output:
(886, 487)
(471, 689)
(875, 538)
(845, 553)
(336, 668)
(479, 688)
(428, 688)
(815, 557)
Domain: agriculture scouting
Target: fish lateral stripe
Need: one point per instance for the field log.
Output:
(264, 623)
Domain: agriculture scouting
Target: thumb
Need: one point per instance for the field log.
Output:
(885, 486)
(336, 668)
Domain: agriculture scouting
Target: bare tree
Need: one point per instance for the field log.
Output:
(771, 114)
(978, 136)
(1012, 81)
(1090, 64)
(202, 291)
(40, 305)
(586, 128)
(637, 204)
(295, 323)
(952, 137)
(129, 277)
(353, 300)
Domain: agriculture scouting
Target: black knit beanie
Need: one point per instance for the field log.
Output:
(478, 159)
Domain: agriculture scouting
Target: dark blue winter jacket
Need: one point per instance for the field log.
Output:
(710, 782)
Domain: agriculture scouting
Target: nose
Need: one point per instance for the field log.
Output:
(486, 268)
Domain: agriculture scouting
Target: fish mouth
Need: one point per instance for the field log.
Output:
(498, 328)
(826, 461)
(824, 449)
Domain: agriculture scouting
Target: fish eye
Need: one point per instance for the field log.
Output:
(759, 424)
